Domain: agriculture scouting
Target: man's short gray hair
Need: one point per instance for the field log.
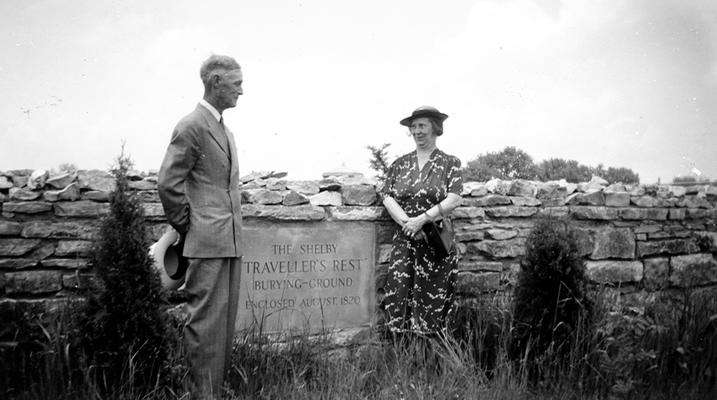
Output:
(216, 62)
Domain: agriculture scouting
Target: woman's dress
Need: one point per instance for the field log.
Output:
(419, 285)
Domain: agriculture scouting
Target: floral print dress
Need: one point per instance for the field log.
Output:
(419, 285)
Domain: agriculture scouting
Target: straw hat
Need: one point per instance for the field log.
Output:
(169, 261)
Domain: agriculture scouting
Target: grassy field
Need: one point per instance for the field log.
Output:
(629, 352)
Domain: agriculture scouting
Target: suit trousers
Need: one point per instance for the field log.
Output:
(212, 287)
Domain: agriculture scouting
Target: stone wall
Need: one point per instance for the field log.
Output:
(639, 238)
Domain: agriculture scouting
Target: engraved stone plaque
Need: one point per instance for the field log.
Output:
(307, 277)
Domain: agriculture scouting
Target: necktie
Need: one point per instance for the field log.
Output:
(226, 137)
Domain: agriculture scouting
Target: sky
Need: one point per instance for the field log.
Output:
(628, 83)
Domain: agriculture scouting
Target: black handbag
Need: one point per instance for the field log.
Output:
(440, 234)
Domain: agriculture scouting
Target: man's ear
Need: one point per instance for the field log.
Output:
(215, 80)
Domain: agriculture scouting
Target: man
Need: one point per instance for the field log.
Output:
(199, 189)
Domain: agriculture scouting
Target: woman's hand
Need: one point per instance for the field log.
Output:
(413, 226)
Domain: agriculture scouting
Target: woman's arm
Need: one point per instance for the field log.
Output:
(395, 210)
(414, 225)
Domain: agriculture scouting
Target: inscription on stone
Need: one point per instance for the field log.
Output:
(307, 277)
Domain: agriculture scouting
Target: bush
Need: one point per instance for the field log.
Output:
(122, 329)
(550, 306)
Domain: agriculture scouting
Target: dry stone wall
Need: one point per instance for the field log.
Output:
(641, 239)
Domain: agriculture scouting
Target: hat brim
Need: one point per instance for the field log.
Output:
(424, 114)
(168, 260)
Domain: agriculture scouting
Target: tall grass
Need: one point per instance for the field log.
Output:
(664, 347)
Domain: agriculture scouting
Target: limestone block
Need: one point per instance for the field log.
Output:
(14, 247)
(474, 266)
(148, 196)
(153, 211)
(22, 194)
(469, 186)
(634, 214)
(384, 253)
(255, 175)
(5, 182)
(37, 179)
(17, 263)
(303, 187)
(593, 198)
(657, 272)
(142, 185)
(262, 196)
(353, 213)
(33, 282)
(694, 202)
(554, 211)
(643, 201)
(69, 193)
(73, 247)
(326, 199)
(617, 199)
(469, 283)
(616, 188)
(651, 228)
(499, 248)
(346, 180)
(297, 213)
(82, 208)
(614, 243)
(468, 212)
(469, 235)
(26, 207)
(19, 181)
(510, 211)
(677, 191)
(61, 181)
(66, 263)
(698, 213)
(41, 252)
(693, 269)
(669, 246)
(677, 214)
(96, 195)
(135, 175)
(293, 198)
(487, 201)
(550, 190)
(586, 241)
(385, 232)
(9, 228)
(359, 195)
(526, 201)
(78, 281)
(593, 213)
(497, 186)
(614, 271)
(330, 184)
(522, 188)
(479, 192)
(275, 184)
(500, 234)
(96, 180)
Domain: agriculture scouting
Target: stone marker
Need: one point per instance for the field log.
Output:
(307, 277)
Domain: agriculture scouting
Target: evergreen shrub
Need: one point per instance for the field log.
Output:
(550, 305)
(122, 328)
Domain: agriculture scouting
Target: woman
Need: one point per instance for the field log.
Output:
(419, 285)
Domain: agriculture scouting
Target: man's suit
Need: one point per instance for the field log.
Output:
(199, 189)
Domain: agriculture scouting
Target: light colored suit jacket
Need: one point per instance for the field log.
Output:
(200, 189)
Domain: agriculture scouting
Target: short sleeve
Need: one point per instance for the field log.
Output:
(387, 188)
(454, 178)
